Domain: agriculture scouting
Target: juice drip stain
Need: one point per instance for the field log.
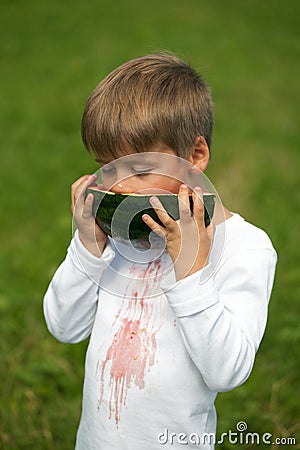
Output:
(132, 350)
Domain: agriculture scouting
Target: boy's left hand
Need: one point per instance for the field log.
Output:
(187, 239)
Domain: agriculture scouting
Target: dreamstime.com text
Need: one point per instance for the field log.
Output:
(238, 436)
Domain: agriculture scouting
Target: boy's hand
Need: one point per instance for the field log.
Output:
(90, 234)
(187, 239)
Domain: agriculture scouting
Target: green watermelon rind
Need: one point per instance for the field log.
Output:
(106, 202)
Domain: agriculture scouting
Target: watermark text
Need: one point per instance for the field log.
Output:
(238, 436)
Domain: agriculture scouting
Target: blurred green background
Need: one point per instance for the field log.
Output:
(53, 53)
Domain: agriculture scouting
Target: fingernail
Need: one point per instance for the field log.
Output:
(183, 186)
(154, 200)
(145, 217)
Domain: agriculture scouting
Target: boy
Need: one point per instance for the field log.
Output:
(168, 330)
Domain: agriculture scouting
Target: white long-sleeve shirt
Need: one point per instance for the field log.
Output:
(160, 350)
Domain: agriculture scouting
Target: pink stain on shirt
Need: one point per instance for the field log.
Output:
(132, 350)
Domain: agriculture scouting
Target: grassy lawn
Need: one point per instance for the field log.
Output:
(52, 55)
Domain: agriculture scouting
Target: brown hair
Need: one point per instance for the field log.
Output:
(152, 99)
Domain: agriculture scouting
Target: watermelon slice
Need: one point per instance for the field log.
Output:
(120, 215)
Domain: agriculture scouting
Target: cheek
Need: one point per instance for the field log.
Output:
(107, 181)
(167, 183)
(174, 186)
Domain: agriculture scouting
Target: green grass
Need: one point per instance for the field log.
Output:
(52, 56)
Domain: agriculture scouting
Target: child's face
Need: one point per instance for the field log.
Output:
(156, 170)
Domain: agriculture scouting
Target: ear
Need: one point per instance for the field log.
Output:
(200, 154)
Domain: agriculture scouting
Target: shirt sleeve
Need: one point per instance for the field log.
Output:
(70, 302)
(222, 319)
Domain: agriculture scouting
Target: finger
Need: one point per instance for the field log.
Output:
(75, 188)
(84, 182)
(91, 181)
(161, 213)
(80, 186)
(198, 208)
(87, 210)
(154, 226)
(184, 203)
(78, 182)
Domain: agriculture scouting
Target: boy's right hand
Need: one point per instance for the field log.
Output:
(90, 234)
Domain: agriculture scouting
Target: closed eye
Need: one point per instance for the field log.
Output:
(108, 170)
(140, 172)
